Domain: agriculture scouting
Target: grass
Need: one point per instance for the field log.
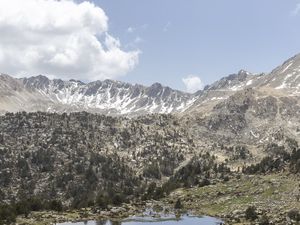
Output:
(270, 193)
(46, 218)
(273, 193)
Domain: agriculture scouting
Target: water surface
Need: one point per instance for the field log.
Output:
(183, 220)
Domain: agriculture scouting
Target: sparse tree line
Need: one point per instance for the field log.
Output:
(252, 215)
(280, 161)
(78, 157)
(9, 212)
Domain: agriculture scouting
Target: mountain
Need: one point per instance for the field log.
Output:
(240, 109)
(81, 154)
(259, 112)
(284, 81)
(251, 117)
(244, 108)
(107, 97)
(286, 77)
(243, 123)
(118, 98)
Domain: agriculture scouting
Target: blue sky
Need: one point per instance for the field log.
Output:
(184, 44)
(207, 38)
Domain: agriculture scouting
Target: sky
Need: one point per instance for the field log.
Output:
(179, 43)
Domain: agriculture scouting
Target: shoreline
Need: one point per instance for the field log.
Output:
(272, 195)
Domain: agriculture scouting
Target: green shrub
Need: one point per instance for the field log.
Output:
(294, 215)
(7, 214)
(178, 204)
(102, 201)
(250, 213)
(56, 205)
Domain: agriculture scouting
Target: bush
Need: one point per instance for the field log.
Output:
(36, 204)
(169, 186)
(204, 182)
(102, 201)
(56, 205)
(118, 199)
(250, 213)
(294, 215)
(178, 204)
(152, 171)
(226, 178)
(158, 193)
(7, 215)
(22, 208)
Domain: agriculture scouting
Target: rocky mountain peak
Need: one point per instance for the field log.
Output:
(243, 73)
(121, 98)
(8, 84)
(233, 82)
(286, 77)
(76, 81)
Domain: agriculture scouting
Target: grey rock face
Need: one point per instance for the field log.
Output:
(286, 77)
(118, 98)
(107, 97)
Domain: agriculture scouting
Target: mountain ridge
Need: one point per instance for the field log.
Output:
(243, 122)
(110, 97)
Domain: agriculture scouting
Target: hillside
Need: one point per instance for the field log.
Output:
(106, 143)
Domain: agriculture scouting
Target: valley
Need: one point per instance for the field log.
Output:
(107, 149)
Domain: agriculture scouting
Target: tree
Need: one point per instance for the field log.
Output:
(178, 204)
(250, 213)
(7, 215)
(158, 193)
(294, 215)
(102, 201)
(56, 205)
(36, 204)
(151, 188)
(118, 199)
(22, 207)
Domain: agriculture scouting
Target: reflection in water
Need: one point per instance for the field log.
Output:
(171, 220)
(107, 222)
(103, 222)
(116, 223)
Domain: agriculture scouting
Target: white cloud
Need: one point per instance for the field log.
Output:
(135, 43)
(130, 29)
(167, 26)
(192, 83)
(60, 38)
(296, 11)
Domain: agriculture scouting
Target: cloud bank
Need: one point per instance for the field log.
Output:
(62, 39)
(192, 83)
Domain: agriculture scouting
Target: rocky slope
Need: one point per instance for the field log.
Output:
(251, 111)
(273, 196)
(117, 98)
(241, 111)
(74, 157)
(191, 141)
(105, 97)
(251, 116)
(284, 81)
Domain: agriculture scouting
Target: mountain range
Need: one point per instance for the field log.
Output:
(107, 97)
(110, 97)
(245, 108)
(81, 142)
